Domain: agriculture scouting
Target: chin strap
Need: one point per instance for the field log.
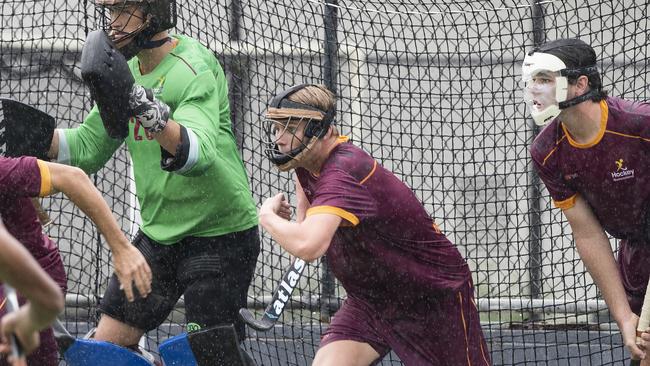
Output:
(155, 44)
(577, 100)
(589, 71)
(139, 43)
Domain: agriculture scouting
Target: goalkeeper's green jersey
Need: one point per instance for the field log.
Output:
(210, 194)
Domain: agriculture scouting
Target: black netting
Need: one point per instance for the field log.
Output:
(430, 89)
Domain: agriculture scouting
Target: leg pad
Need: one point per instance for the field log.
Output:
(207, 347)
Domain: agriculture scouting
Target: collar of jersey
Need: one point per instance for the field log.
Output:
(339, 140)
(166, 59)
(604, 114)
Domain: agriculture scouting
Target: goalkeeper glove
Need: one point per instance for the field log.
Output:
(147, 109)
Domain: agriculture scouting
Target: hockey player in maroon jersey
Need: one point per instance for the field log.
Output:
(593, 156)
(408, 287)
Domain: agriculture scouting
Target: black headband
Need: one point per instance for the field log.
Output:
(282, 101)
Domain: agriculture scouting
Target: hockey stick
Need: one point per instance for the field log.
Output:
(644, 321)
(12, 305)
(63, 338)
(280, 298)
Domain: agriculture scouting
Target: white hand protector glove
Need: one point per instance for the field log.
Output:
(149, 111)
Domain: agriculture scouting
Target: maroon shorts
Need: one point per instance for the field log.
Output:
(440, 330)
(634, 266)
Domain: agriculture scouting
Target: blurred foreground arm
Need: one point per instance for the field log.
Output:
(45, 300)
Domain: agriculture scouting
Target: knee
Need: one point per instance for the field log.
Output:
(346, 353)
(115, 331)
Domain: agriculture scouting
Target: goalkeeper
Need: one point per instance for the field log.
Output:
(199, 222)
(593, 158)
(403, 277)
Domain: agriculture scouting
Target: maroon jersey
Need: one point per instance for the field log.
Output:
(387, 246)
(21, 179)
(612, 173)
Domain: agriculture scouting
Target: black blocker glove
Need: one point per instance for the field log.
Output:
(24, 130)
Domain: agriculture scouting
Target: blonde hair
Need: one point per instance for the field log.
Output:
(315, 95)
(319, 96)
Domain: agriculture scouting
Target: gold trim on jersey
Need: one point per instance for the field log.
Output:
(374, 167)
(339, 140)
(348, 216)
(552, 151)
(462, 318)
(46, 179)
(604, 114)
(567, 203)
(626, 135)
(485, 358)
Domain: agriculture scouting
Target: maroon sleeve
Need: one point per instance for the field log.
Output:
(338, 193)
(563, 195)
(20, 177)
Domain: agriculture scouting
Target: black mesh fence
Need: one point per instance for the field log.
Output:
(429, 88)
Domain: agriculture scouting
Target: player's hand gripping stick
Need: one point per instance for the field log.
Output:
(12, 305)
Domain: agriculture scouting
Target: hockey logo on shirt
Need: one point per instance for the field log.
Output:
(622, 172)
(158, 90)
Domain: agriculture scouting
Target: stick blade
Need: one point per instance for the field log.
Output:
(261, 325)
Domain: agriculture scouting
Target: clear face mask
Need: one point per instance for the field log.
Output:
(540, 91)
(544, 87)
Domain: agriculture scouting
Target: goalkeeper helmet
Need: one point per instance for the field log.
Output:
(547, 72)
(288, 114)
(156, 16)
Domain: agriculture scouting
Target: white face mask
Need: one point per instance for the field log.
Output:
(544, 87)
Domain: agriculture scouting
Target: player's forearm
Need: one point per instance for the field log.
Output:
(597, 255)
(76, 185)
(291, 236)
(170, 137)
(87, 146)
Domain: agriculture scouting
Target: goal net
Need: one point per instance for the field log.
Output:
(431, 89)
